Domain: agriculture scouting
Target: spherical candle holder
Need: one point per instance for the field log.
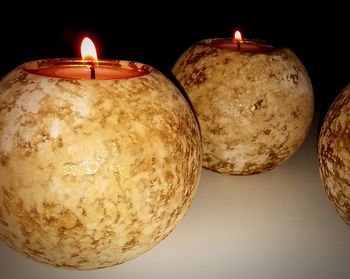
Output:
(334, 154)
(95, 170)
(254, 103)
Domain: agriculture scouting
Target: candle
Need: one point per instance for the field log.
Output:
(237, 43)
(80, 69)
(99, 160)
(254, 102)
(87, 68)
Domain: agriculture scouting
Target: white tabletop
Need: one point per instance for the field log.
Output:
(278, 224)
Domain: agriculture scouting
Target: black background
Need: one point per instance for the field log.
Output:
(157, 33)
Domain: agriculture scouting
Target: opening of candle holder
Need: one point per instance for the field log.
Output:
(245, 45)
(81, 69)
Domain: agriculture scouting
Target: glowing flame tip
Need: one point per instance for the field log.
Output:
(88, 50)
(237, 36)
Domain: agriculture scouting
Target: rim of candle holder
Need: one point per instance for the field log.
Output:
(215, 42)
(32, 66)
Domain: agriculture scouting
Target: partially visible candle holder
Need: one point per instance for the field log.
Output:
(334, 154)
(254, 102)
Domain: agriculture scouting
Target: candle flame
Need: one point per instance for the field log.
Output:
(88, 50)
(237, 37)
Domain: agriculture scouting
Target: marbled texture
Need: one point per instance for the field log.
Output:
(93, 172)
(334, 154)
(254, 109)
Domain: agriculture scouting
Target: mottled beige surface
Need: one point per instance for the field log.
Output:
(254, 110)
(93, 172)
(334, 154)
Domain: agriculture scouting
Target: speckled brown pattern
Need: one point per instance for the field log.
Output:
(93, 172)
(334, 154)
(254, 109)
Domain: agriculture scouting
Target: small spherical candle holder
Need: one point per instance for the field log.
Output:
(94, 170)
(334, 154)
(254, 102)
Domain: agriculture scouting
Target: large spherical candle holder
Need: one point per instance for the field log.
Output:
(95, 170)
(334, 154)
(254, 102)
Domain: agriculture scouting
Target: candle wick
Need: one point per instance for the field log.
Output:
(92, 71)
(238, 43)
